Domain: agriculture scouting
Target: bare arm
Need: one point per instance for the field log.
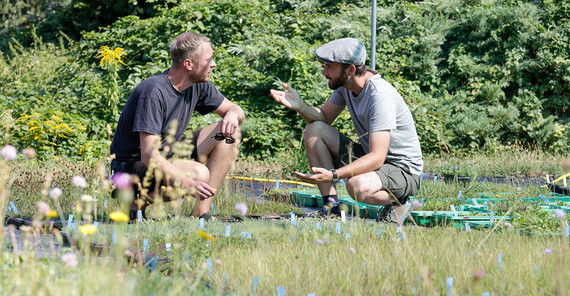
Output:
(232, 115)
(290, 99)
(149, 151)
(379, 143)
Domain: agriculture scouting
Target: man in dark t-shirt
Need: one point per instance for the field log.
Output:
(166, 101)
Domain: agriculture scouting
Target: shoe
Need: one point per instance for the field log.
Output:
(396, 213)
(328, 210)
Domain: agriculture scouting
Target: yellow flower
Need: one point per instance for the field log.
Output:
(88, 229)
(204, 235)
(109, 56)
(51, 214)
(119, 217)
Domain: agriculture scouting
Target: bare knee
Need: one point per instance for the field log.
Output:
(196, 170)
(314, 129)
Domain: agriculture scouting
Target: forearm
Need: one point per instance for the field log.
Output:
(367, 163)
(236, 111)
(310, 113)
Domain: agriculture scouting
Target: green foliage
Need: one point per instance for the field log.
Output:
(476, 75)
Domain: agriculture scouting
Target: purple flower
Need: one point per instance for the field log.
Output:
(417, 203)
(79, 181)
(560, 213)
(509, 225)
(241, 208)
(9, 152)
(547, 251)
(70, 259)
(122, 180)
(479, 274)
(319, 241)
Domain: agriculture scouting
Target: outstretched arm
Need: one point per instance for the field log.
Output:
(290, 99)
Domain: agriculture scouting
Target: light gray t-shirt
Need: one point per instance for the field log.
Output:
(380, 107)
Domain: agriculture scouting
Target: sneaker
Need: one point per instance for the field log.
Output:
(398, 213)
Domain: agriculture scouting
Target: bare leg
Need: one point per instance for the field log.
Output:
(321, 141)
(367, 188)
(218, 156)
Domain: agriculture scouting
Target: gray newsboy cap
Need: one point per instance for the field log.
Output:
(344, 51)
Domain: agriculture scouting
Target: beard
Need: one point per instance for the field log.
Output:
(338, 82)
(199, 77)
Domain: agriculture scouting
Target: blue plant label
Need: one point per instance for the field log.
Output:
(145, 245)
(449, 286)
(280, 291)
(96, 224)
(542, 197)
(500, 260)
(434, 180)
(139, 215)
(168, 248)
(347, 236)
(202, 223)
(115, 238)
(106, 203)
(254, 283)
(467, 227)
(379, 232)
(14, 209)
(291, 238)
(338, 228)
(69, 220)
(459, 194)
(210, 267)
(475, 202)
(319, 227)
(152, 264)
(228, 230)
(277, 184)
(342, 216)
(492, 217)
(453, 210)
(212, 208)
(567, 230)
(485, 294)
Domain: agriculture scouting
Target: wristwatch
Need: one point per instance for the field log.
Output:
(335, 177)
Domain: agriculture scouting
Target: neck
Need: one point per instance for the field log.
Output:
(356, 83)
(179, 79)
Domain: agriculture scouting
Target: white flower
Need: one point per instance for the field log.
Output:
(241, 208)
(9, 152)
(86, 198)
(79, 181)
(70, 259)
(560, 213)
(43, 208)
(55, 193)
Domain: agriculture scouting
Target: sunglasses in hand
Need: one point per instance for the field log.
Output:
(220, 137)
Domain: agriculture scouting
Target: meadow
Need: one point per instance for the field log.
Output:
(174, 254)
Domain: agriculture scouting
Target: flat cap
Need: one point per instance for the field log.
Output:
(344, 51)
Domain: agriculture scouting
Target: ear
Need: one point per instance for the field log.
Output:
(351, 70)
(188, 65)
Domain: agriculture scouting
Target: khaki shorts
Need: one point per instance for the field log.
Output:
(394, 179)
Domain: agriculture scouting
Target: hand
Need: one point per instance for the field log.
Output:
(203, 190)
(230, 124)
(319, 175)
(288, 98)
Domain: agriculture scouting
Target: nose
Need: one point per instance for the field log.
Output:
(213, 64)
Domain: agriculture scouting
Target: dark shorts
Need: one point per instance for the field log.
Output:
(136, 167)
(396, 180)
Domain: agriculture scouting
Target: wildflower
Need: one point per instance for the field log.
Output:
(547, 251)
(351, 249)
(509, 225)
(43, 208)
(51, 214)
(109, 56)
(119, 217)
(319, 241)
(29, 152)
(479, 274)
(417, 203)
(86, 198)
(9, 152)
(204, 235)
(55, 193)
(88, 229)
(241, 208)
(218, 262)
(122, 180)
(70, 259)
(79, 181)
(560, 213)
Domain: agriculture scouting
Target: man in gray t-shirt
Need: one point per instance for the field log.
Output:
(383, 167)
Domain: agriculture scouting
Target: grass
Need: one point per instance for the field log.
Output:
(302, 259)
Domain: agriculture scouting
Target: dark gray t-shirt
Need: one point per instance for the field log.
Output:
(152, 107)
(379, 107)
